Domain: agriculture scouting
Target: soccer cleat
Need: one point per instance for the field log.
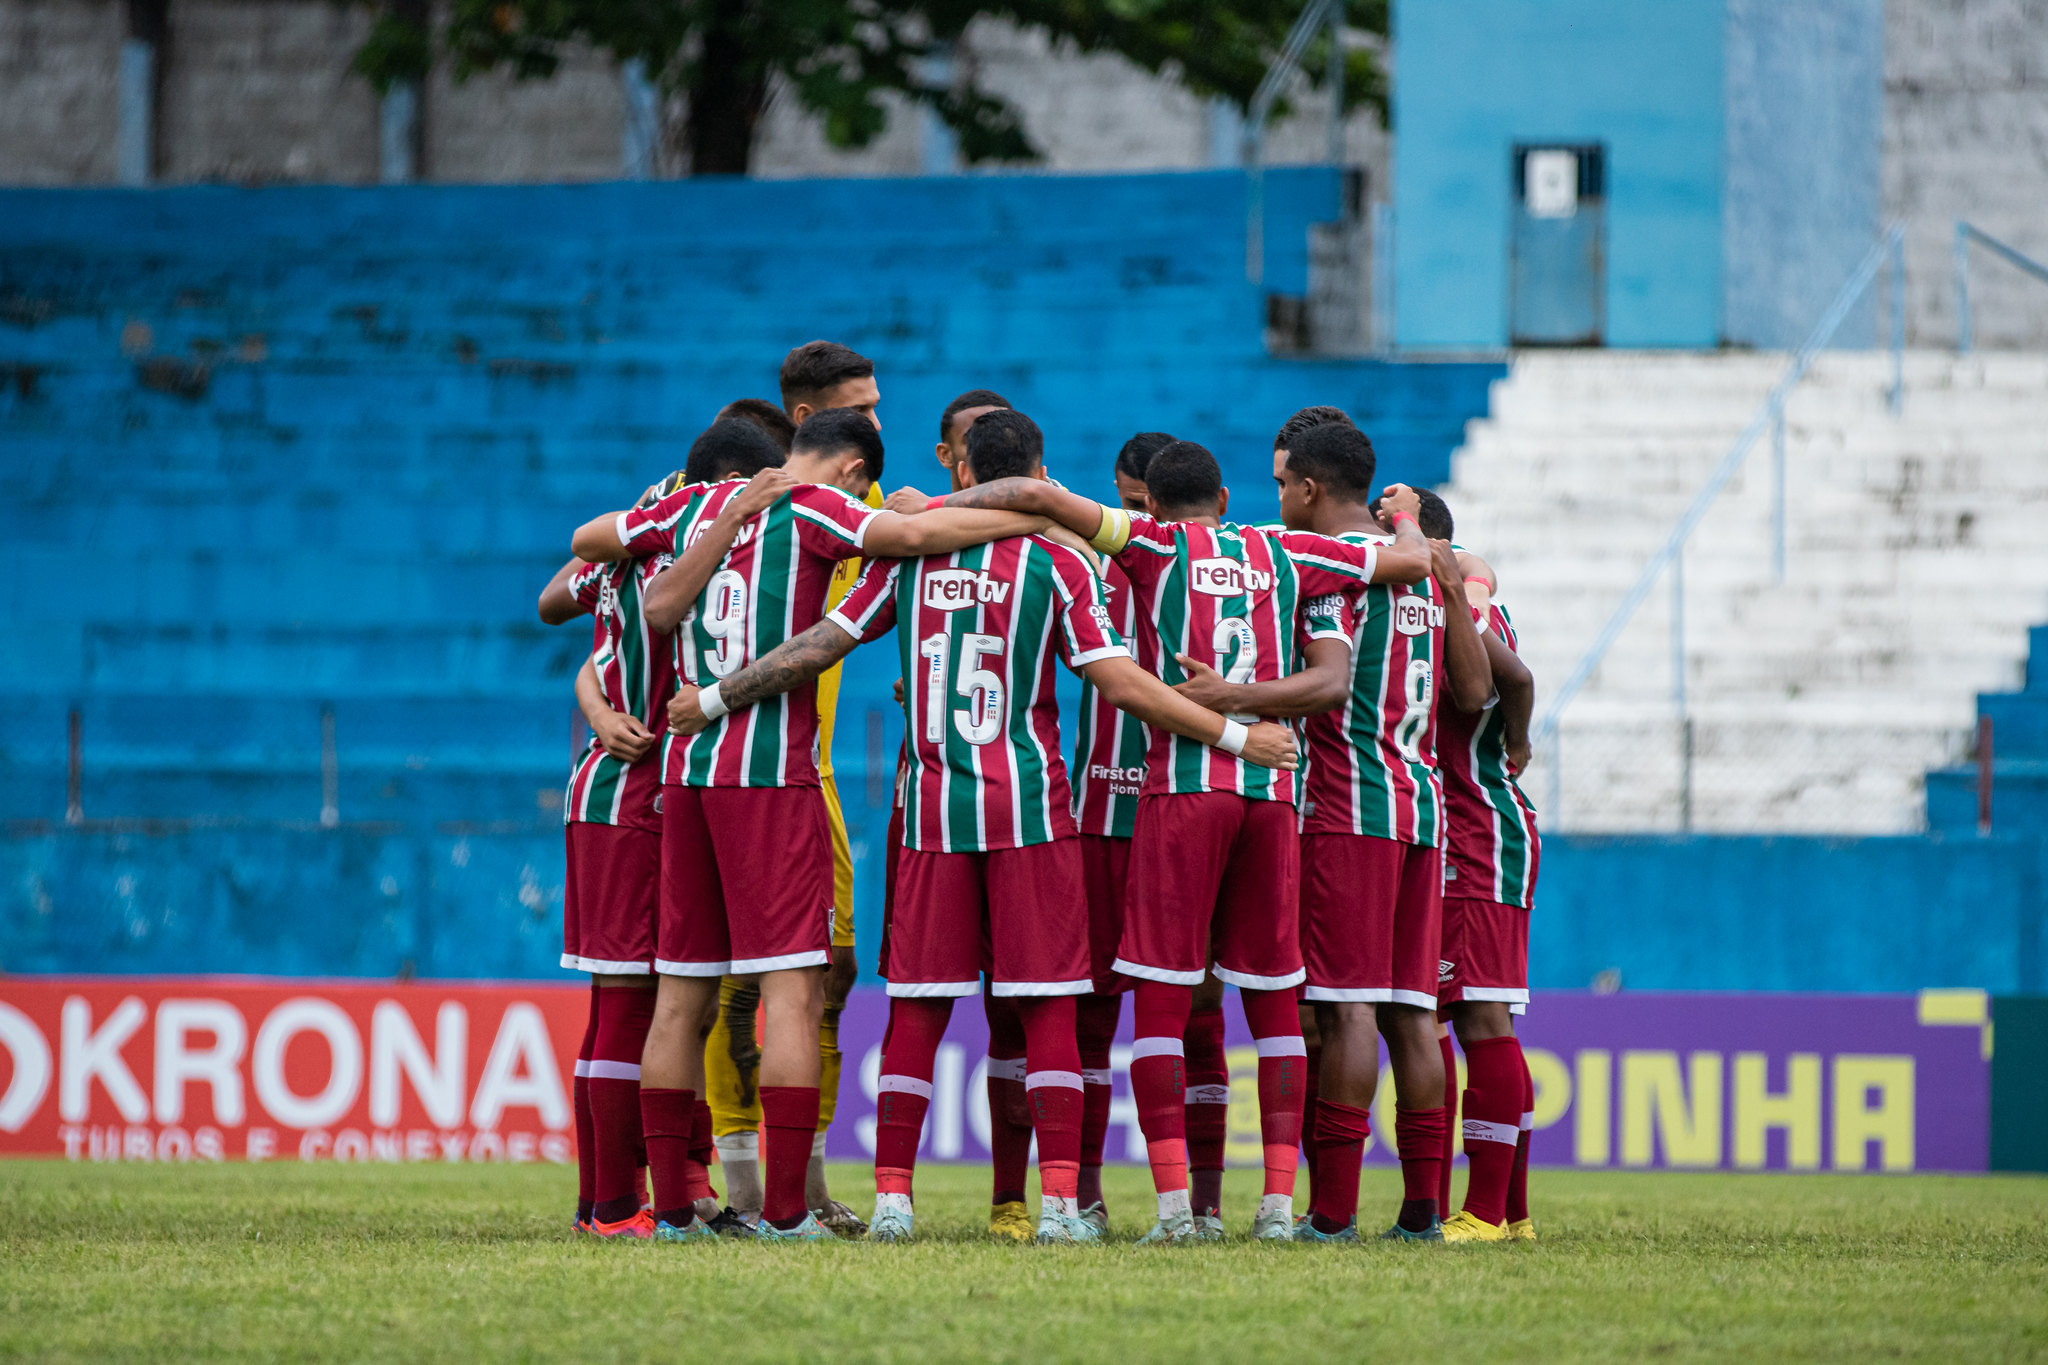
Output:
(696, 1230)
(639, 1227)
(1096, 1217)
(1170, 1231)
(810, 1230)
(1208, 1227)
(1305, 1230)
(1010, 1221)
(1522, 1230)
(1066, 1229)
(1466, 1226)
(841, 1220)
(1433, 1233)
(1275, 1225)
(579, 1224)
(732, 1223)
(893, 1219)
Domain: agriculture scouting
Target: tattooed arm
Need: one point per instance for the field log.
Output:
(788, 666)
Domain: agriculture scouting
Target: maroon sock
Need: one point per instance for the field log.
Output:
(1493, 1124)
(1208, 1107)
(1419, 1133)
(1052, 1087)
(789, 1120)
(623, 1016)
(1158, 1081)
(586, 1138)
(1275, 1023)
(909, 1048)
(665, 1120)
(1095, 1020)
(702, 1151)
(1518, 1179)
(1311, 1088)
(1443, 1183)
(1341, 1131)
(1009, 1116)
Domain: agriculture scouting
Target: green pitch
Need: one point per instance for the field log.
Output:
(477, 1263)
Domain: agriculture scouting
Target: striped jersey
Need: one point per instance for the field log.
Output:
(1228, 597)
(978, 631)
(1109, 746)
(770, 586)
(1372, 761)
(1493, 847)
(631, 661)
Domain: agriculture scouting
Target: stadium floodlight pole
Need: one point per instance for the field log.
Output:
(1260, 109)
(1773, 405)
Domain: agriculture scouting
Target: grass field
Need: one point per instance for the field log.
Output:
(412, 1262)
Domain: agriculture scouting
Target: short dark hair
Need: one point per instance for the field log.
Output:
(1138, 452)
(837, 429)
(764, 415)
(816, 366)
(1306, 419)
(1182, 475)
(973, 398)
(731, 448)
(1340, 458)
(1433, 518)
(1003, 445)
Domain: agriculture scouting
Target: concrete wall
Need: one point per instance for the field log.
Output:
(1805, 109)
(59, 61)
(1966, 136)
(1477, 76)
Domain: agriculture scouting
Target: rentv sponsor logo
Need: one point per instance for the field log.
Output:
(209, 1070)
(1414, 614)
(953, 589)
(1227, 578)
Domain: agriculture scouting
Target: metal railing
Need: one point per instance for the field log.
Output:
(1965, 234)
(1318, 14)
(1890, 247)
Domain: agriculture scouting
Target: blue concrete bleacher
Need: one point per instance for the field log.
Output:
(2019, 749)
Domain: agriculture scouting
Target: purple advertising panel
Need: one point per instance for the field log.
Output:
(1678, 1081)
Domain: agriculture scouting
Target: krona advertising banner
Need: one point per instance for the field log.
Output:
(240, 1069)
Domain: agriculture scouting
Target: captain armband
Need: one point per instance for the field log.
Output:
(1115, 531)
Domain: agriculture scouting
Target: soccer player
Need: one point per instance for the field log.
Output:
(1371, 828)
(1491, 855)
(612, 828)
(746, 868)
(990, 856)
(1214, 871)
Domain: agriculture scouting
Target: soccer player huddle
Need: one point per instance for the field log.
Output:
(1294, 772)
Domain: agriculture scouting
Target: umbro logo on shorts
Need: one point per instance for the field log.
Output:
(1227, 578)
(1445, 971)
(1414, 614)
(953, 589)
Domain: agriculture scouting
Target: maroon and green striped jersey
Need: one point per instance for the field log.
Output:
(1492, 849)
(1228, 597)
(770, 586)
(979, 631)
(1109, 746)
(632, 664)
(1372, 761)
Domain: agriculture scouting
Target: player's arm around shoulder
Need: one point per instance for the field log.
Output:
(559, 600)
(785, 668)
(1132, 690)
(1107, 529)
(1465, 660)
(676, 589)
(1407, 560)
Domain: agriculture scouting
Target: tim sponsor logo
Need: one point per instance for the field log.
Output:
(953, 589)
(1415, 614)
(1227, 578)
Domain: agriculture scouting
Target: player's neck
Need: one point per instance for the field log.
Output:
(1336, 518)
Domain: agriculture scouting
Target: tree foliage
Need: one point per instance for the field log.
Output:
(840, 58)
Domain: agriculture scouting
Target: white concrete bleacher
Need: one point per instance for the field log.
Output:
(1917, 556)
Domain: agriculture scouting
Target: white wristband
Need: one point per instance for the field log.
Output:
(710, 703)
(1234, 736)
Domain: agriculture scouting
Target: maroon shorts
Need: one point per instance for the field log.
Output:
(1485, 952)
(611, 902)
(746, 880)
(1371, 918)
(892, 857)
(1105, 863)
(1214, 878)
(1015, 913)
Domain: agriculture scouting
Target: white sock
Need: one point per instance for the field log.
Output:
(1282, 1204)
(1050, 1204)
(1173, 1204)
(885, 1202)
(738, 1153)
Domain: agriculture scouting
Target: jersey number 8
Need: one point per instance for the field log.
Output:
(1418, 687)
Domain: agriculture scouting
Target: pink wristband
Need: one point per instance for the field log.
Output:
(1403, 516)
(934, 504)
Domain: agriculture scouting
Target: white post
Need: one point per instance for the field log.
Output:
(1778, 495)
(135, 141)
(398, 119)
(643, 122)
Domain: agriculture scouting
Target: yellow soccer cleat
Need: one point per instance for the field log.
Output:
(1009, 1222)
(1464, 1226)
(1522, 1230)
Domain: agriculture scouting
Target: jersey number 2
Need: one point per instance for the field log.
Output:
(1235, 630)
(982, 688)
